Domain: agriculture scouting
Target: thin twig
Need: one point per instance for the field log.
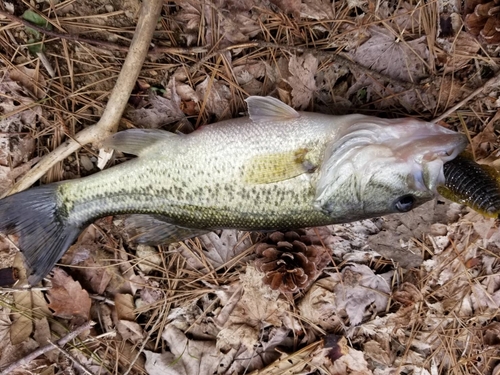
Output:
(67, 36)
(61, 342)
(77, 364)
(342, 57)
(491, 82)
(102, 43)
(108, 124)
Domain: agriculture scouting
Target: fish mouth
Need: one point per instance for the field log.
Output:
(429, 154)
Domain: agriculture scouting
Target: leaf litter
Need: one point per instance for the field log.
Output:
(406, 293)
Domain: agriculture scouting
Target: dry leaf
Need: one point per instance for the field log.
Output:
(216, 96)
(302, 80)
(259, 305)
(30, 79)
(462, 50)
(14, 94)
(317, 9)
(359, 288)
(131, 331)
(288, 6)
(31, 305)
(319, 307)
(147, 258)
(93, 263)
(67, 298)
(42, 336)
(22, 326)
(398, 59)
(186, 357)
(353, 362)
(224, 246)
(124, 305)
(157, 111)
(238, 28)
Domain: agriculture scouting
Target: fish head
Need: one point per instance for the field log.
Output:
(381, 166)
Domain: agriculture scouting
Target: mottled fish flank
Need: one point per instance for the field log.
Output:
(275, 169)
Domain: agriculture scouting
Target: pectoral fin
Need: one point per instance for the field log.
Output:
(137, 141)
(155, 230)
(269, 168)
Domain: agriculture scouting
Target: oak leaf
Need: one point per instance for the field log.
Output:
(67, 298)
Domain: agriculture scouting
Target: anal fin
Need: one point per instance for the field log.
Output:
(156, 230)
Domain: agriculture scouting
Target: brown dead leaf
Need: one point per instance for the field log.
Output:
(124, 305)
(463, 49)
(131, 331)
(157, 111)
(399, 59)
(238, 28)
(186, 356)
(67, 298)
(353, 362)
(259, 305)
(92, 262)
(148, 258)
(216, 96)
(22, 326)
(226, 245)
(302, 80)
(248, 75)
(30, 306)
(189, 17)
(30, 79)
(358, 289)
(317, 9)
(289, 6)
(42, 335)
(317, 306)
(15, 95)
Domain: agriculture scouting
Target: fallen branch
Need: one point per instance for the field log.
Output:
(76, 364)
(61, 342)
(101, 43)
(108, 124)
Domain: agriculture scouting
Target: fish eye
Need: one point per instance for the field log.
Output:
(404, 203)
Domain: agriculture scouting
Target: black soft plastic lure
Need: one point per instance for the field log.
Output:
(472, 184)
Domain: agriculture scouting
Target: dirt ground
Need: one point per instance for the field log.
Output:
(414, 293)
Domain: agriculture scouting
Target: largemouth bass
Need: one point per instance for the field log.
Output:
(275, 169)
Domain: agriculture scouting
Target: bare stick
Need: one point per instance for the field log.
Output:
(61, 342)
(491, 82)
(77, 364)
(101, 43)
(341, 57)
(76, 38)
(108, 124)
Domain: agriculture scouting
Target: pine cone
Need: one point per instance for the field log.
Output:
(482, 19)
(290, 261)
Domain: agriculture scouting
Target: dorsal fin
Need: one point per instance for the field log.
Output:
(266, 108)
(137, 141)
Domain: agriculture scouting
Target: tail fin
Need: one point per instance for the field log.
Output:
(44, 233)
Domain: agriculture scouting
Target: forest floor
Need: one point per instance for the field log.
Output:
(414, 293)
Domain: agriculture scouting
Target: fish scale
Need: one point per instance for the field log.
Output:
(276, 169)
